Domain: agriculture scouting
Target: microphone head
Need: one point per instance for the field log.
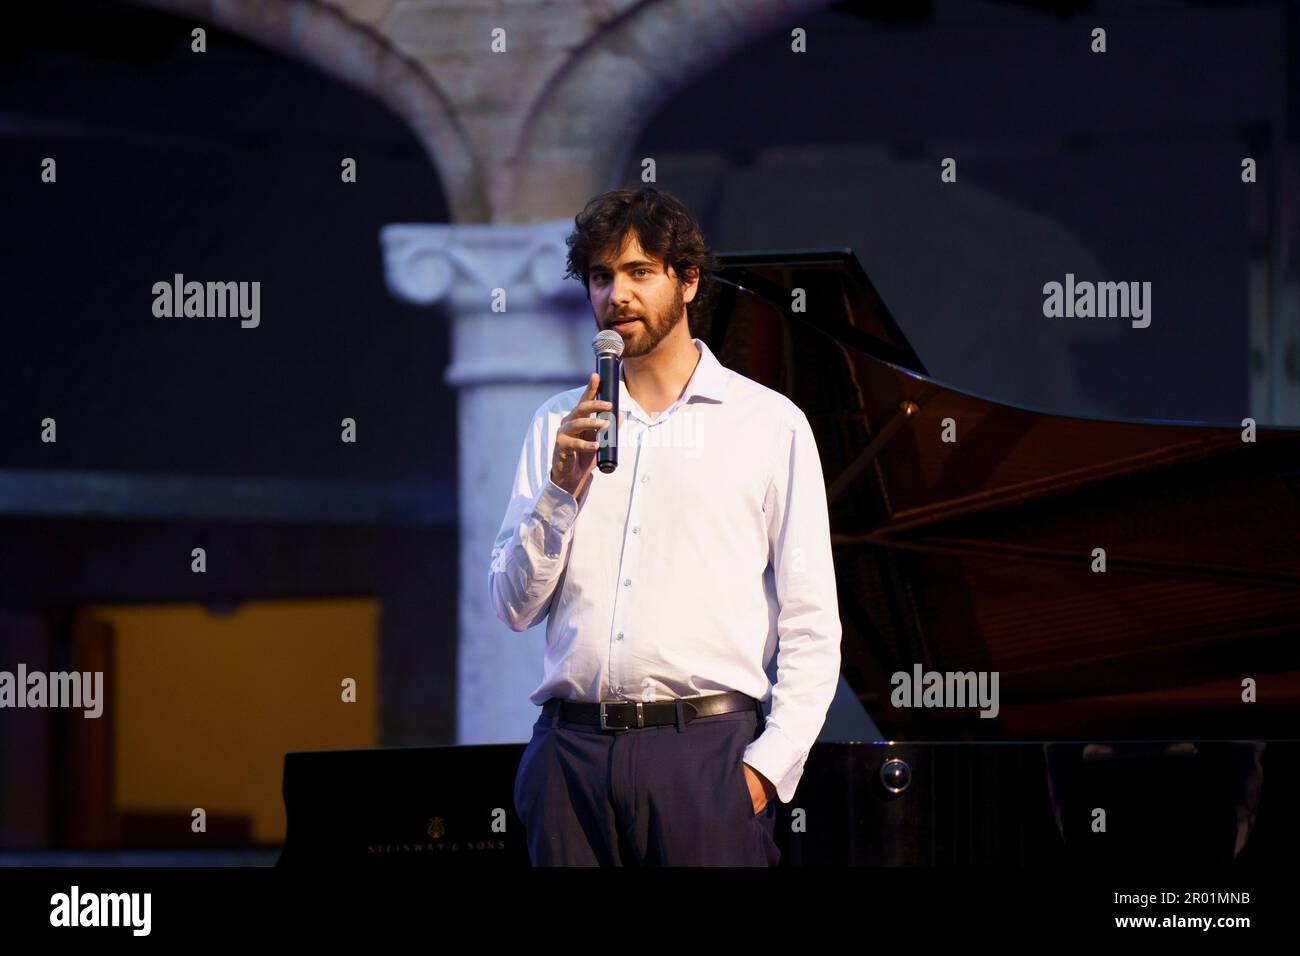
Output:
(607, 342)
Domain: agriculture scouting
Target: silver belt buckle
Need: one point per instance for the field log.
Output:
(640, 717)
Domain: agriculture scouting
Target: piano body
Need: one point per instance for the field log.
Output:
(969, 537)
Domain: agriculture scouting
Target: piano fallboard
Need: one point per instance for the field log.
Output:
(858, 804)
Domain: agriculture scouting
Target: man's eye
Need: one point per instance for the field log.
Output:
(646, 271)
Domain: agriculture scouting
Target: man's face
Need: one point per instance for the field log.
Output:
(631, 285)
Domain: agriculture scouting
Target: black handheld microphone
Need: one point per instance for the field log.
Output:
(608, 346)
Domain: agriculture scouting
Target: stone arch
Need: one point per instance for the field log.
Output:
(321, 34)
(618, 75)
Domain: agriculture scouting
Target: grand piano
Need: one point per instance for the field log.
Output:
(1135, 585)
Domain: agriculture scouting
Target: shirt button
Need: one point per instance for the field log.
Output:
(636, 530)
(620, 635)
(645, 478)
(626, 582)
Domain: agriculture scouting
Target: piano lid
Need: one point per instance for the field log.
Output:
(983, 553)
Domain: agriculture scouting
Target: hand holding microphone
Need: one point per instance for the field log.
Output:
(608, 346)
(575, 443)
(580, 444)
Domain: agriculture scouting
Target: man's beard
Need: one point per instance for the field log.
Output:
(653, 329)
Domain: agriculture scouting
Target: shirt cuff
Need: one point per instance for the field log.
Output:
(557, 509)
(777, 758)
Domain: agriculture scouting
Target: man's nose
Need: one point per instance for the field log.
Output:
(621, 290)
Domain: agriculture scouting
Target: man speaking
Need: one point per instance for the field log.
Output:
(668, 583)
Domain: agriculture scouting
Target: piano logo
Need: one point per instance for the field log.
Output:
(437, 843)
(949, 689)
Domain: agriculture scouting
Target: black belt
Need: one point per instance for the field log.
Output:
(629, 714)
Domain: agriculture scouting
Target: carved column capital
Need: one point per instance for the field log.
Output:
(426, 263)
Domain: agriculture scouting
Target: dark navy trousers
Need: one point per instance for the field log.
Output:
(673, 795)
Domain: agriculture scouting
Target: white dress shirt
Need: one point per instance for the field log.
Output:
(682, 571)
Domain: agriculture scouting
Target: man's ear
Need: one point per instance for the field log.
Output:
(692, 276)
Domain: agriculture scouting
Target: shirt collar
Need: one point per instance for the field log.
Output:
(709, 379)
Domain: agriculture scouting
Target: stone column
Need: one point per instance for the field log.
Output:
(504, 364)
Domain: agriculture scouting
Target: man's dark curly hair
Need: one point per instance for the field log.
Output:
(664, 227)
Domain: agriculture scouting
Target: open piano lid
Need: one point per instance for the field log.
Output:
(978, 554)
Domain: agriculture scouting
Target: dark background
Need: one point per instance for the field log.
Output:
(1125, 167)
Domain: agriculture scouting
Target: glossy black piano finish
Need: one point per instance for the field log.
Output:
(1198, 803)
(858, 804)
(403, 806)
(977, 554)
